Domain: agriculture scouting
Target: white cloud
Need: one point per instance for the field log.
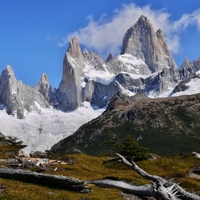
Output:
(106, 35)
(186, 20)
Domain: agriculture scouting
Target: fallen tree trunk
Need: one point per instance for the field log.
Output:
(54, 181)
(160, 188)
(145, 190)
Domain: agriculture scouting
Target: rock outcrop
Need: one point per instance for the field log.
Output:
(44, 87)
(187, 70)
(109, 57)
(196, 64)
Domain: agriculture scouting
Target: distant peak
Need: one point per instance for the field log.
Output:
(44, 78)
(159, 32)
(186, 59)
(9, 70)
(144, 18)
(74, 48)
(109, 57)
(185, 63)
(85, 51)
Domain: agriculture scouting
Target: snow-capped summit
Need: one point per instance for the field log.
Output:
(143, 42)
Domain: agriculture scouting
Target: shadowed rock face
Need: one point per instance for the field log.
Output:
(142, 42)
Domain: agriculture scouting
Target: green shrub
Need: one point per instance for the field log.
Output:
(129, 147)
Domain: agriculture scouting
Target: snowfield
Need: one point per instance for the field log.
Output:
(102, 77)
(193, 88)
(41, 131)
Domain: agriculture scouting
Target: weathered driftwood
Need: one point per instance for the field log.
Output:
(159, 189)
(55, 181)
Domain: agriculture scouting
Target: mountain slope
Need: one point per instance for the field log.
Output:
(168, 126)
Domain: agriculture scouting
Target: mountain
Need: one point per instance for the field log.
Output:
(142, 42)
(145, 64)
(167, 126)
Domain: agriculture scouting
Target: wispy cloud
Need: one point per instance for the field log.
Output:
(186, 20)
(105, 35)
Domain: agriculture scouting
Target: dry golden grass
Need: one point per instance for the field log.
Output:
(94, 168)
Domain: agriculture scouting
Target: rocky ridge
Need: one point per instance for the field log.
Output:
(21, 99)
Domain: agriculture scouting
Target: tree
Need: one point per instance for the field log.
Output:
(14, 141)
(129, 147)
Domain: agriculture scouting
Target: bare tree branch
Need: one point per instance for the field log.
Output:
(160, 188)
(145, 190)
(141, 171)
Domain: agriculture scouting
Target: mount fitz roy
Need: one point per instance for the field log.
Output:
(145, 64)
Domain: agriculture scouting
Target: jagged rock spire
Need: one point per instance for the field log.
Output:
(142, 42)
(17, 97)
(185, 63)
(74, 48)
(109, 57)
(44, 87)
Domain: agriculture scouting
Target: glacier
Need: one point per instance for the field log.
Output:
(41, 131)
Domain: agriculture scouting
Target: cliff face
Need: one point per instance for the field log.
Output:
(70, 85)
(142, 42)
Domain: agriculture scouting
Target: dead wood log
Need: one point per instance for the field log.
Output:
(160, 188)
(54, 181)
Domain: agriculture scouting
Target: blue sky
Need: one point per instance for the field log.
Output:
(35, 34)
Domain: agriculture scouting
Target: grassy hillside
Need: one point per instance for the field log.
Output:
(169, 126)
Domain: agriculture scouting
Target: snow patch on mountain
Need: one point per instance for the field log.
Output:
(103, 77)
(127, 63)
(131, 61)
(193, 88)
(41, 131)
(124, 91)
